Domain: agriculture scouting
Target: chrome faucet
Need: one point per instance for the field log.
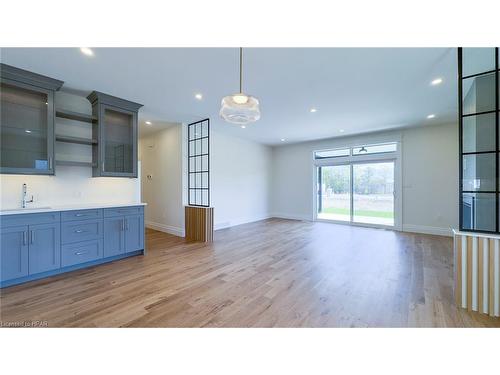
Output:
(25, 199)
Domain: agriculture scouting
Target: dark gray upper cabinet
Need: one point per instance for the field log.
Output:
(26, 121)
(115, 154)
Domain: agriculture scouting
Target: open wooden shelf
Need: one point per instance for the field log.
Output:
(75, 163)
(75, 116)
(78, 140)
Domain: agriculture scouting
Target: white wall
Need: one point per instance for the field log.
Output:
(429, 173)
(161, 157)
(240, 175)
(240, 180)
(70, 185)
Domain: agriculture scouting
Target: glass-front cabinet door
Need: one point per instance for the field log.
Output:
(26, 129)
(115, 154)
(119, 142)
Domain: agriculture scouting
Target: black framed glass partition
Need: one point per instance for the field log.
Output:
(199, 163)
(478, 84)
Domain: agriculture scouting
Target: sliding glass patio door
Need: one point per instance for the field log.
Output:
(334, 192)
(373, 193)
(357, 192)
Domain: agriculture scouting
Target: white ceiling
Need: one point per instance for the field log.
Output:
(358, 89)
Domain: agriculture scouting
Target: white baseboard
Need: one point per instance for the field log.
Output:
(228, 224)
(427, 230)
(176, 231)
(291, 217)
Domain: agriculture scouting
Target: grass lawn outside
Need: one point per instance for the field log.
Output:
(367, 213)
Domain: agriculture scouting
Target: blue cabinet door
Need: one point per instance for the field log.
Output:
(13, 252)
(44, 247)
(114, 237)
(134, 233)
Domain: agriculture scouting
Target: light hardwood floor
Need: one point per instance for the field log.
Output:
(272, 273)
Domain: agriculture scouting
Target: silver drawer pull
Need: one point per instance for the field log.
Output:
(80, 231)
(81, 252)
(80, 215)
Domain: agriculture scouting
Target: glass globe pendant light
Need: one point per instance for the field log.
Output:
(240, 108)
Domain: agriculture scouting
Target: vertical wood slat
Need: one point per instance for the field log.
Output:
(199, 223)
(458, 271)
(469, 273)
(491, 271)
(480, 275)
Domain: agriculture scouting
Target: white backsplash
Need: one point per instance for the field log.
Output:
(70, 185)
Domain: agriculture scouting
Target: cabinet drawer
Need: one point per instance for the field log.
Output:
(81, 215)
(75, 231)
(81, 252)
(122, 211)
(29, 219)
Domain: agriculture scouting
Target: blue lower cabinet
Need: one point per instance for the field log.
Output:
(134, 233)
(14, 252)
(44, 247)
(34, 246)
(114, 239)
(81, 252)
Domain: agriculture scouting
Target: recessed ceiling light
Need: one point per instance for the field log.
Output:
(437, 81)
(27, 131)
(313, 110)
(282, 139)
(87, 51)
(198, 96)
(243, 126)
(341, 130)
(431, 116)
(149, 123)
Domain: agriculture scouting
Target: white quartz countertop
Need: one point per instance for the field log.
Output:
(476, 234)
(71, 207)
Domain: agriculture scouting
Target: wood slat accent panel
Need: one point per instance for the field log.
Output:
(480, 275)
(458, 270)
(469, 273)
(199, 223)
(477, 273)
(491, 271)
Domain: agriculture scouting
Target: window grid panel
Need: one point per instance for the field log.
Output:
(199, 163)
(472, 202)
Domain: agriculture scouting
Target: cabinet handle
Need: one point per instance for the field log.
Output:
(79, 231)
(80, 215)
(32, 237)
(50, 162)
(126, 224)
(81, 252)
(25, 238)
(103, 166)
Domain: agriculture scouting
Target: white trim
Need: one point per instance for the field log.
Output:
(229, 224)
(437, 231)
(291, 217)
(476, 234)
(176, 231)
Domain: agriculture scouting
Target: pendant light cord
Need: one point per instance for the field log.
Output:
(241, 68)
